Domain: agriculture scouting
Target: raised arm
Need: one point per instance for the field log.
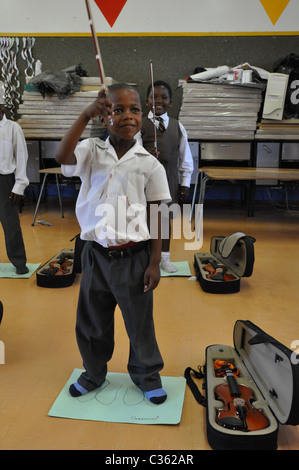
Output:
(65, 151)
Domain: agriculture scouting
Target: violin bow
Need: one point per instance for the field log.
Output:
(154, 106)
(96, 46)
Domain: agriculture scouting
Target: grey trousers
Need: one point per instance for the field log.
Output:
(10, 220)
(106, 283)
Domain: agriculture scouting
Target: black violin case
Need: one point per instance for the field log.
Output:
(230, 259)
(245, 413)
(59, 271)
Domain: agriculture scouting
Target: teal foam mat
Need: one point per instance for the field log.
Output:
(118, 400)
(8, 270)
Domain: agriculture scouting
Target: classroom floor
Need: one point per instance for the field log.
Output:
(41, 351)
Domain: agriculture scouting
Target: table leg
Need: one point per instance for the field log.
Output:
(202, 189)
(199, 210)
(251, 198)
(194, 196)
(39, 198)
(59, 196)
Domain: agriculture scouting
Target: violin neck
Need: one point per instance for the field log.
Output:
(233, 384)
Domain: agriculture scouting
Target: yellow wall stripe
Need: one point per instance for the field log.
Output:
(225, 33)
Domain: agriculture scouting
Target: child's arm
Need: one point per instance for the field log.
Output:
(152, 273)
(65, 151)
(185, 165)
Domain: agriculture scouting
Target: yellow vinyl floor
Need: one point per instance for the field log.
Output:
(41, 352)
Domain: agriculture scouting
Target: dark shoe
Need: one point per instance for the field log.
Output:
(22, 269)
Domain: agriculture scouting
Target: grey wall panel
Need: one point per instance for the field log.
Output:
(127, 58)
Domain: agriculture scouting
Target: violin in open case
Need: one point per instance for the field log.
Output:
(230, 259)
(58, 271)
(61, 270)
(250, 389)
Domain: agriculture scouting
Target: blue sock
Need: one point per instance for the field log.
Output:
(76, 390)
(156, 396)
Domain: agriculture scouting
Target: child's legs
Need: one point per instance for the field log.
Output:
(166, 238)
(95, 320)
(145, 360)
(10, 219)
(166, 230)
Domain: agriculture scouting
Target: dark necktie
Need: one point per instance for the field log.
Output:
(162, 128)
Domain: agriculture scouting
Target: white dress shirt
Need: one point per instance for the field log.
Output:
(13, 154)
(111, 205)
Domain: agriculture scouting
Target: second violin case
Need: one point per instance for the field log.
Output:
(230, 259)
(58, 271)
(250, 389)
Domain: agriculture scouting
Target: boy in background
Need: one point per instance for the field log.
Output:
(173, 152)
(13, 181)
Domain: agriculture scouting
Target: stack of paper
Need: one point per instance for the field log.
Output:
(286, 129)
(220, 111)
(51, 117)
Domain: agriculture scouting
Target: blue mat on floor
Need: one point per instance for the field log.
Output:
(8, 270)
(183, 269)
(118, 400)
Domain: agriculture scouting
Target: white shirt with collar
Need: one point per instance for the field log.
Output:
(13, 154)
(185, 163)
(111, 205)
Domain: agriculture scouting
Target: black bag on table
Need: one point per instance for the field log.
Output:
(289, 65)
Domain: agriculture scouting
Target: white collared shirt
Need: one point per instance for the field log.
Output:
(111, 205)
(163, 116)
(13, 154)
(185, 163)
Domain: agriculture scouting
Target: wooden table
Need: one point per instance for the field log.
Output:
(46, 172)
(240, 174)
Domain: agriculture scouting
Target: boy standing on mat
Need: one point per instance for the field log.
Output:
(120, 260)
(173, 152)
(13, 181)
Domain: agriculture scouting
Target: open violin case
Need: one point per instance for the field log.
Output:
(249, 389)
(59, 271)
(230, 259)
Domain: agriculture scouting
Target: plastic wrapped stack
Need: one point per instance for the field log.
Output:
(49, 117)
(218, 111)
(286, 129)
